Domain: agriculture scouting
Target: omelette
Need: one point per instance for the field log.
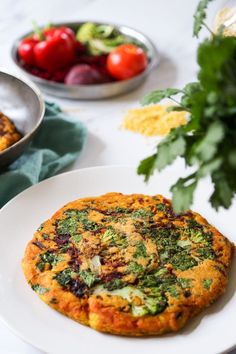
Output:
(127, 264)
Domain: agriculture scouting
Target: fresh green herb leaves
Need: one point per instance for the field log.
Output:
(157, 96)
(182, 193)
(168, 150)
(200, 16)
(224, 188)
(208, 141)
(147, 167)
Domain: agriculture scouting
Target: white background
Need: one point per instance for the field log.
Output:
(167, 22)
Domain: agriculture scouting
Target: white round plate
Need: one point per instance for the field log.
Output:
(27, 316)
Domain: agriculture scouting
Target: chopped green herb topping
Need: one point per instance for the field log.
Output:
(67, 226)
(64, 277)
(88, 277)
(183, 261)
(64, 248)
(114, 284)
(134, 267)
(205, 253)
(185, 282)
(118, 210)
(142, 213)
(192, 223)
(39, 289)
(160, 279)
(207, 283)
(152, 305)
(156, 304)
(198, 236)
(141, 250)
(81, 216)
(49, 258)
(76, 238)
(113, 238)
(161, 207)
(173, 291)
(184, 243)
(40, 228)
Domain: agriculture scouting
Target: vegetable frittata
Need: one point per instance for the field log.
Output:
(127, 264)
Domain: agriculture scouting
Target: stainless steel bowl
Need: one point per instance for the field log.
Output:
(21, 101)
(93, 92)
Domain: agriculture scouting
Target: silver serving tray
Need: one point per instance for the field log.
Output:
(97, 91)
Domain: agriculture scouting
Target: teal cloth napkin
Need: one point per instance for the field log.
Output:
(57, 144)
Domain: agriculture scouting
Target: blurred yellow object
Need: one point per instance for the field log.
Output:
(153, 120)
(226, 17)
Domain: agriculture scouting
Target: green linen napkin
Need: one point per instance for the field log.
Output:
(56, 145)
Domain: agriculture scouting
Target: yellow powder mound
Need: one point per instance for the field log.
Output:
(153, 120)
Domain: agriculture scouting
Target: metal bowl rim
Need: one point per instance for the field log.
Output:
(53, 85)
(38, 94)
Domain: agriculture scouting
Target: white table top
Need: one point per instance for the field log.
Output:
(168, 23)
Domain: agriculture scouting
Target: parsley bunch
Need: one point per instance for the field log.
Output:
(208, 140)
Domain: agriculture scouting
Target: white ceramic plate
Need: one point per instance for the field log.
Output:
(22, 311)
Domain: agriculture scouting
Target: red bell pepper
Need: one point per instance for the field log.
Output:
(26, 50)
(56, 50)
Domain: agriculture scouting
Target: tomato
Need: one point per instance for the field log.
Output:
(26, 50)
(54, 49)
(57, 50)
(126, 61)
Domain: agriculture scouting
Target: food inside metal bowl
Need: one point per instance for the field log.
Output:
(23, 111)
(84, 55)
(9, 134)
(89, 69)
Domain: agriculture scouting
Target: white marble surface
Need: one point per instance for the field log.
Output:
(168, 23)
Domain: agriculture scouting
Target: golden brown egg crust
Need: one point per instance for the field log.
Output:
(127, 264)
(8, 132)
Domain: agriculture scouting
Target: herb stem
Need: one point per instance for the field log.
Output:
(208, 28)
(178, 103)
